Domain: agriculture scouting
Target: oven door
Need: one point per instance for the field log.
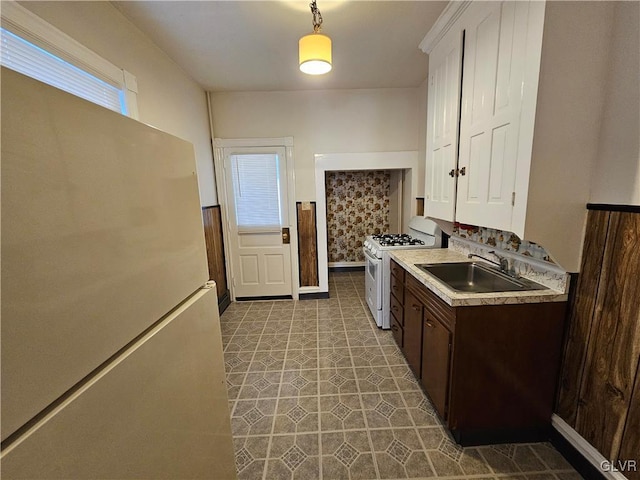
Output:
(373, 283)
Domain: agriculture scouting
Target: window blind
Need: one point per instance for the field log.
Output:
(256, 190)
(33, 61)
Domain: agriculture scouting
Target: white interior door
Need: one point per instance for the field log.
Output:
(256, 185)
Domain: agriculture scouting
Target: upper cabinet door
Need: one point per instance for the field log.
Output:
(442, 126)
(494, 61)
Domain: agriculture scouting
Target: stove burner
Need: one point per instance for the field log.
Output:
(396, 240)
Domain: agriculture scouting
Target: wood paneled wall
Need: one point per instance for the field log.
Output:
(307, 244)
(212, 220)
(599, 391)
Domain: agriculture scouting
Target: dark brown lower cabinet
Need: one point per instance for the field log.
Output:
(489, 370)
(436, 356)
(398, 331)
(412, 345)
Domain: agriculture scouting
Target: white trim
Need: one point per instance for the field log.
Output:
(34, 29)
(131, 94)
(218, 160)
(447, 18)
(588, 451)
(353, 161)
(303, 290)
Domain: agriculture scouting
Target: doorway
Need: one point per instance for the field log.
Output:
(255, 181)
(406, 161)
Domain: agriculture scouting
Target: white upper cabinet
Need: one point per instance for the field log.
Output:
(494, 58)
(534, 81)
(442, 126)
(478, 122)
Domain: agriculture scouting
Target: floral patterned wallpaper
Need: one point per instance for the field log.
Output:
(357, 206)
(502, 240)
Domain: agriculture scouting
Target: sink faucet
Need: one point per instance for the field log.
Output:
(502, 262)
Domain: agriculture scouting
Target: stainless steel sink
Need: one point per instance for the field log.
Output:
(473, 277)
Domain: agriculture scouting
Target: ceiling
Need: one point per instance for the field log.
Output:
(253, 45)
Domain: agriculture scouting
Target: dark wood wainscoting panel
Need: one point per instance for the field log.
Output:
(307, 244)
(614, 344)
(212, 220)
(580, 316)
(420, 206)
(630, 447)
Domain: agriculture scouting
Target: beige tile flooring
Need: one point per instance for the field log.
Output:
(316, 390)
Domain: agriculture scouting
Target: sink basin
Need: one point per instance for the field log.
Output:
(473, 277)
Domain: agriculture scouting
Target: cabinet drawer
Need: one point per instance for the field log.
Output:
(397, 289)
(439, 309)
(397, 310)
(397, 271)
(397, 330)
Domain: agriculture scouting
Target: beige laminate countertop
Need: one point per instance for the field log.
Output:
(408, 259)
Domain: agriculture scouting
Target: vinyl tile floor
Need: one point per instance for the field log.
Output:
(317, 391)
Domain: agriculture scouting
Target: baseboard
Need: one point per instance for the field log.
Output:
(588, 461)
(268, 297)
(347, 269)
(492, 436)
(313, 295)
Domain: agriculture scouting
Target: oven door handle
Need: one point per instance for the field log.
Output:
(370, 256)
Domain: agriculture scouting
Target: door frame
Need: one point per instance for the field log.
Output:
(326, 162)
(219, 145)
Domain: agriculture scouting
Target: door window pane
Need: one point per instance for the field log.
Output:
(256, 190)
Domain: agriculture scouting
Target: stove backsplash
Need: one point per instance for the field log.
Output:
(503, 240)
(527, 258)
(357, 206)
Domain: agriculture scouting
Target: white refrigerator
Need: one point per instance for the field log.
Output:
(112, 361)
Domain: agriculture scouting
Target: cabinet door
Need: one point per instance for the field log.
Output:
(413, 332)
(397, 330)
(493, 82)
(442, 126)
(436, 343)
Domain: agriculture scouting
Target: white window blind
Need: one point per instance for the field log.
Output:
(256, 191)
(31, 60)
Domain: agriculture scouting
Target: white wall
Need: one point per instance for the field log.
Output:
(616, 176)
(167, 97)
(325, 121)
(571, 96)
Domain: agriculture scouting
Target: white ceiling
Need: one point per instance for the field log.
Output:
(253, 45)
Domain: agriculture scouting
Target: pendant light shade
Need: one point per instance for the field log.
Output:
(314, 50)
(314, 53)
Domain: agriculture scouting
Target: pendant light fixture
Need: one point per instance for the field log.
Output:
(314, 50)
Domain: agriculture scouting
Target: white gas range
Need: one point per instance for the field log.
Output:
(423, 233)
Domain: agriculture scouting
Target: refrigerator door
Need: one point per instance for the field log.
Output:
(101, 237)
(158, 410)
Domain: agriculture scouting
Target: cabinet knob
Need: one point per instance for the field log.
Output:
(429, 324)
(452, 173)
(416, 307)
(394, 328)
(463, 171)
